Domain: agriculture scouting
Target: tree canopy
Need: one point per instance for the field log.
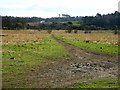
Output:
(103, 22)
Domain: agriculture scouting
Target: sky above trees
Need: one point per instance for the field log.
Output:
(52, 8)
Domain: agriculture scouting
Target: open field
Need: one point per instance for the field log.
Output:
(100, 41)
(23, 50)
(36, 59)
(107, 37)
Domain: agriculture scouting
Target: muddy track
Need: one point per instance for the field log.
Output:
(81, 65)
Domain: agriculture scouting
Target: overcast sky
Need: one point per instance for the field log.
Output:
(52, 8)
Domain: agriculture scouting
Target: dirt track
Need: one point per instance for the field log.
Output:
(82, 65)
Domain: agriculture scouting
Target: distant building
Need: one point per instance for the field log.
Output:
(42, 21)
(65, 15)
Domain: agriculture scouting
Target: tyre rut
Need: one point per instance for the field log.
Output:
(81, 65)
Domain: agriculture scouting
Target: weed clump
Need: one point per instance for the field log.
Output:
(75, 31)
(116, 32)
(49, 31)
(69, 31)
(87, 32)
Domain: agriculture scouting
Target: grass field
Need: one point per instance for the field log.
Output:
(105, 42)
(107, 37)
(104, 83)
(23, 50)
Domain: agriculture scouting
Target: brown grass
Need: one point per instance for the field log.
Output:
(95, 36)
(19, 37)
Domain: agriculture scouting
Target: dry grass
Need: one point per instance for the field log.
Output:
(21, 36)
(96, 36)
(17, 37)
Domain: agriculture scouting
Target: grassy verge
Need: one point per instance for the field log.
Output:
(104, 83)
(99, 47)
(18, 59)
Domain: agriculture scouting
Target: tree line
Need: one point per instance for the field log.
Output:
(98, 22)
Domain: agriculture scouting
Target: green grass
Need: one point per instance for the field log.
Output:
(26, 56)
(98, 47)
(76, 23)
(104, 83)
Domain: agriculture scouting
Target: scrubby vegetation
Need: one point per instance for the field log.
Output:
(98, 22)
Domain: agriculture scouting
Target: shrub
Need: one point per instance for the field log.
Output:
(69, 31)
(87, 32)
(75, 31)
(115, 32)
(49, 31)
